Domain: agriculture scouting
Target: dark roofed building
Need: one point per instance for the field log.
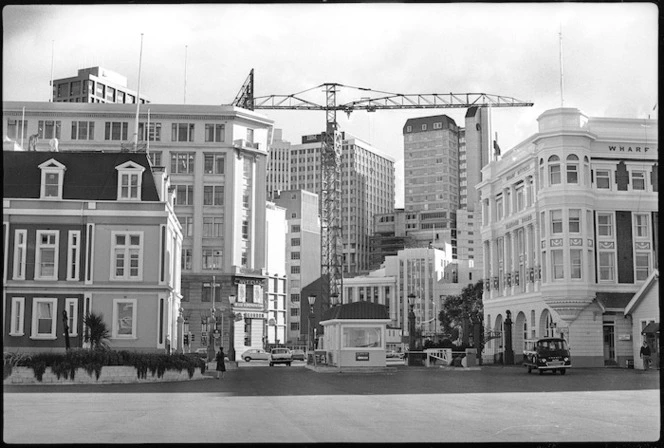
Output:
(357, 310)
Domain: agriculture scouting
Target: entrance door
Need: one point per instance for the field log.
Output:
(609, 345)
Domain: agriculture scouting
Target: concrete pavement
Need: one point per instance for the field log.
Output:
(296, 405)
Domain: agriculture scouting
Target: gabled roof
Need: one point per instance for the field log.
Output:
(357, 310)
(89, 175)
(650, 281)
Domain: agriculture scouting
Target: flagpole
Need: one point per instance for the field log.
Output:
(138, 95)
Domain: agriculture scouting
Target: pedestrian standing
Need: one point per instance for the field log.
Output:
(645, 355)
(221, 364)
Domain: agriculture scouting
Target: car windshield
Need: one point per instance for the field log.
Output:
(552, 345)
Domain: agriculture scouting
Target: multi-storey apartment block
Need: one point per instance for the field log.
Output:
(569, 228)
(95, 85)
(215, 157)
(278, 165)
(83, 233)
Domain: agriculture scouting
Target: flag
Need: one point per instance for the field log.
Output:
(496, 148)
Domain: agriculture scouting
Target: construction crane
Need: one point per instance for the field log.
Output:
(330, 197)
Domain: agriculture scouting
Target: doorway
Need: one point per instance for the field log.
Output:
(609, 345)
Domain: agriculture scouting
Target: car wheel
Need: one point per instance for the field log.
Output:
(530, 369)
(247, 359)
(562, 371)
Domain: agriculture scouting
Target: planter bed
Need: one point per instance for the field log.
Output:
(109, 375)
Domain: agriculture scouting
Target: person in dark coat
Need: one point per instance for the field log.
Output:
(221, 365)
(645, 355)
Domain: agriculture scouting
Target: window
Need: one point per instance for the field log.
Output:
(73, 255)
(130, 179)
(409, 128)
(638, 180)
(250, 135)
(606, 266)
(20, 243)
(82, 130)
(17, 129)
(295, 298)
(153, 133)
(155, 158)
(245, 229)
(295, 256)
(557, 264)
(520, 201)
(213, 195)
(575, 263)
(247, 332)
(499, 207)
(604, 224)
(17, 316)
(212, 226)
(294, 312)
(361, 337)
(642, 262)
(49, 129)
(182, 162)
(295, 241)
(641, 225)
(212, 258)
(124, 319)
(187, 223)
(115, 130)
(572, 169)
(71, 307)
(214, 132)
(46, 264)
(574, 220)
(295, 228)
(44, 318)
(554, 170)
(184, 195)
(127, 256)
(602, 179)
(214, 164)
(52, 179)
(295, 270)
(182, 132)
(438, 125)
(186, 259)
(556, 221)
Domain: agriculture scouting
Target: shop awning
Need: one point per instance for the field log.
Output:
(651, 328)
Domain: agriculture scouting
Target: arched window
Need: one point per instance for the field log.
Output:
(572, 169)
(554, 170)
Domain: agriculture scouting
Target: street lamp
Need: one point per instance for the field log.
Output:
(312, 300)
(231, 336)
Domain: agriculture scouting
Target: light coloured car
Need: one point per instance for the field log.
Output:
(280, 356)
(255, 354)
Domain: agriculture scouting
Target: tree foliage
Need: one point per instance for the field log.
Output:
(98, 333)
(456, 308)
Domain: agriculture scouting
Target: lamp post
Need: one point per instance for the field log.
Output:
(509, 352)
(312, 300)
(213, 318)
(231, 336)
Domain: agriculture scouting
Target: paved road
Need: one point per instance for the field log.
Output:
(294, 404)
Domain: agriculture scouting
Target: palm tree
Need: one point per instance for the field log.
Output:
(97, 333)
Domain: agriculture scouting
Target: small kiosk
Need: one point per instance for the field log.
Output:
(354, 335)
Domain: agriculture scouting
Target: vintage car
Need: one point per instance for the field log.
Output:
(547, 354)
(280, 356)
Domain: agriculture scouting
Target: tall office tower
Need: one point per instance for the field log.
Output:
(276, 226)
(95, 85)
(431, 179)
(367, 177)
(302, 257)
(215, 157)
(278, 165)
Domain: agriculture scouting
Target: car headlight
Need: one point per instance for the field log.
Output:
(566, 359)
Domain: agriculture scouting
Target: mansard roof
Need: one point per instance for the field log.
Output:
(89, 175)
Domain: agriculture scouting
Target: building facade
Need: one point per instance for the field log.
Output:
(215, 157)
(87, 232)
(278, 166)
(569, 229)
(276, 323)
(95, 85)
(302, 257)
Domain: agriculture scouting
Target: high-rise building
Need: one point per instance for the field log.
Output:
(570, 234)
(302, 257)
(278, 165)
(367, 179)
(276, 227)
(95, 85)
(215, 157)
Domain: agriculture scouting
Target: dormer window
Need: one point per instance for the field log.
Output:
(130, 177)
(52, 178)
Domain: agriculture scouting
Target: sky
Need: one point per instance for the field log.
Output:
(202, 54)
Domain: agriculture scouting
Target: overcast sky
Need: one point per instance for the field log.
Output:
(610, 57)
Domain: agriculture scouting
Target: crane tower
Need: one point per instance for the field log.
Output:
(330, 198)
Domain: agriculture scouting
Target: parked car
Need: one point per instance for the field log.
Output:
(280, 356)
(255, 354)
(298, 355)
(547, 354)
(392, 354)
